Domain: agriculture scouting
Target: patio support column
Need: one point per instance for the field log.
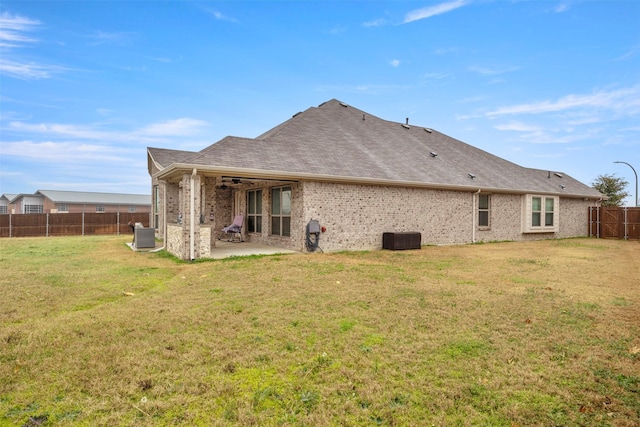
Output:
(190, 209)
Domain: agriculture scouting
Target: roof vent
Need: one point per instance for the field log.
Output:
(407, 122)
(472, 176)
(343, 104)
(428, 130)
(562, 186)
(406, 126)
(559, 175)
(433, 154)
(299, 112)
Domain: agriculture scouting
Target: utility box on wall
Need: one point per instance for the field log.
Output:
(401, 241)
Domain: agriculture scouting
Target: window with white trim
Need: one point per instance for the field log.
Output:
(63, 207)
(132, 209)
(281, 211)
(3, 209)
(541, 214)
(484, 205)
(100, 209)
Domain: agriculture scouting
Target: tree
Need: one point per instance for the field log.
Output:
(613, 187)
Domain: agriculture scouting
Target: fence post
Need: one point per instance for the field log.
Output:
(83, 222)
(118, 223)
(626, 234)
(10, 216)
(46, 227)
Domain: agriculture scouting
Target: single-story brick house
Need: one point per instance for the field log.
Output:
(359, 176)
(55, 201)
(6, 207)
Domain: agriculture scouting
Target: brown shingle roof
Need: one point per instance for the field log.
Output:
(342, 142)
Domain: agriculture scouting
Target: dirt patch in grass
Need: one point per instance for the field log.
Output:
(532, 333)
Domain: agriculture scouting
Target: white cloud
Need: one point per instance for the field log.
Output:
(110, 38)
(562, 7)
(518, 126)
(13, 29)
(179, 127)
(220, 17)
(625, 101)
(13, 34)
(486, 71)
(61, 130)
(446, 50)
(395, 62)
(436, 76)
(25, 71)
(66, 151)
(155, 132)
(375, 23)
(428, 12)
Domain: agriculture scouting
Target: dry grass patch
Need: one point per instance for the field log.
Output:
(536, 333)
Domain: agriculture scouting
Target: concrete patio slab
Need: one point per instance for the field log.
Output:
(225, 249)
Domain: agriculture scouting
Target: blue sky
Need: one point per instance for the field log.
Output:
(86, 86)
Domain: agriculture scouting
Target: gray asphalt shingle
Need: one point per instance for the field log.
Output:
(344, 142)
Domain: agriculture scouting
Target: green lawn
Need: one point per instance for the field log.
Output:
(505, 334)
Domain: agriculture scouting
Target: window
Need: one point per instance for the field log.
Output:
(63, 207)
(32, 209)
(3, 210)
(541, 214)
(548, 211)
(484, 203)
(281, 211)
(254, 211)
(132, 209)
(99, 208)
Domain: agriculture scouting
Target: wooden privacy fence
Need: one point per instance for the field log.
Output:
(614, 223)
(68, 224)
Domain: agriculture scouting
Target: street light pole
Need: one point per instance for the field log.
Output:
(636, 174)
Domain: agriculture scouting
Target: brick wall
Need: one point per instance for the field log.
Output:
(573, 220)
(356, 216)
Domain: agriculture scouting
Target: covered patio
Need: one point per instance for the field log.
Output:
(225, 249)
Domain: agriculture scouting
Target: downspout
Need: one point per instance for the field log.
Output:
(473, 217)
(192, 220)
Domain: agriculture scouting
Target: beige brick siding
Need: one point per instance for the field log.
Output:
(574, 217)
(356, 216)
(505, 219)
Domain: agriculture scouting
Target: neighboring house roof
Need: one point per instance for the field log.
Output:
(337, 142)
(76, 197)
(17, 197)
(8, 197)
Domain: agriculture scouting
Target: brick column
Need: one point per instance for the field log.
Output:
(185, 209)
